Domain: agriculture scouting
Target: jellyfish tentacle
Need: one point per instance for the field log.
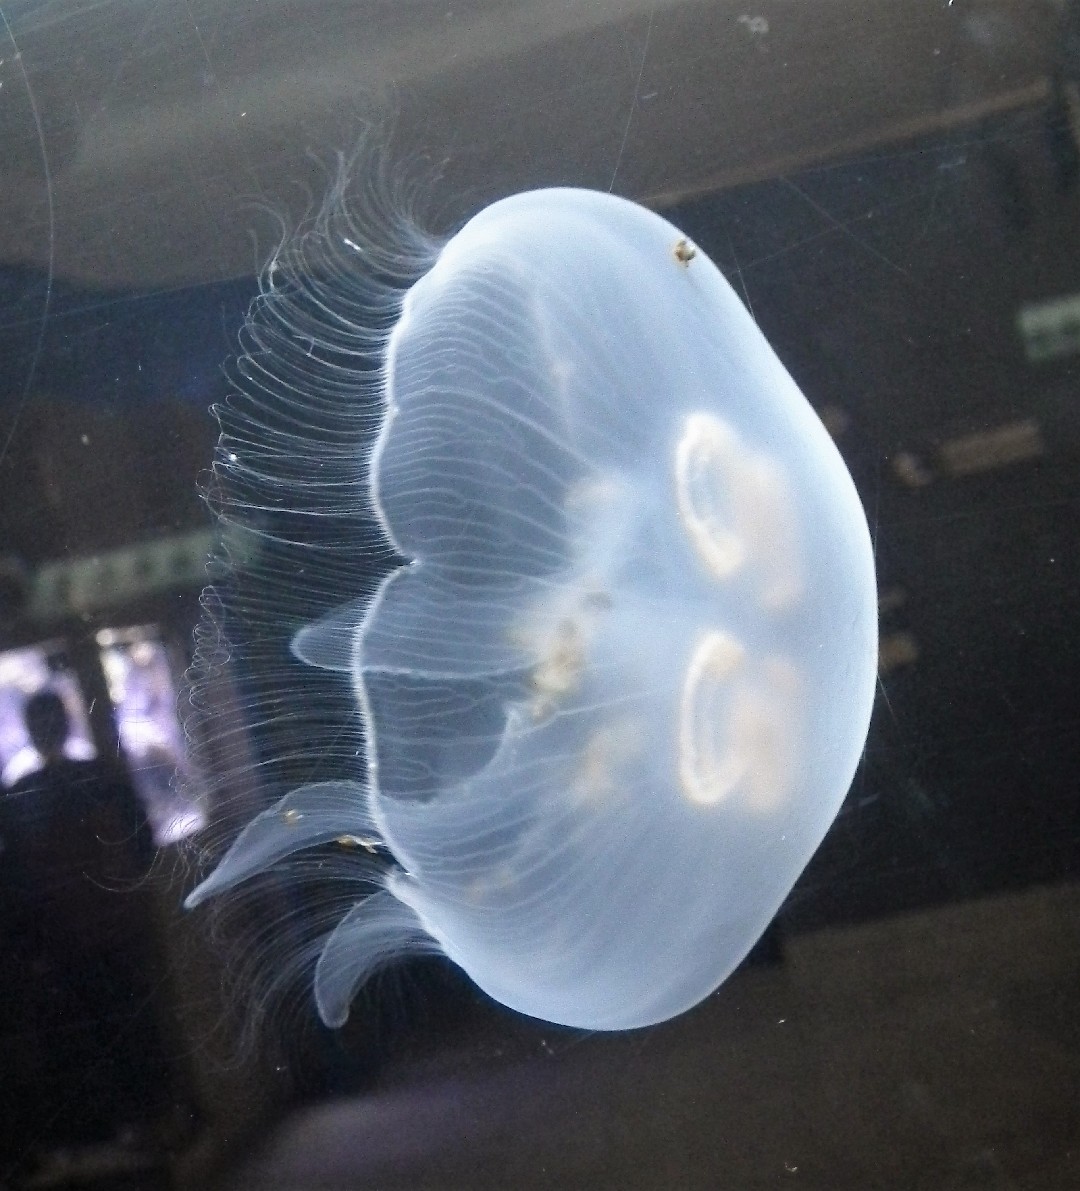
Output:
(314, 814)
(375, 932)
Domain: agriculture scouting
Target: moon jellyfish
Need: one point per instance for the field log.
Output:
(616, 691)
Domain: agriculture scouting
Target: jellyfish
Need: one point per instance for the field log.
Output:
(618, 686)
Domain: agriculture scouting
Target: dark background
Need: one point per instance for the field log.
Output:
(890, 188)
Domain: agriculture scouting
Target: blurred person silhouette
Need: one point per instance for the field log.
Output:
(75, 845)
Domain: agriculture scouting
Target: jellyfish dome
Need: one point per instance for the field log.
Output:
(616, 696)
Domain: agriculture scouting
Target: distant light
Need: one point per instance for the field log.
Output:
(896, 649)
(180, 826)
(1050, 329)
(1014, 442)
